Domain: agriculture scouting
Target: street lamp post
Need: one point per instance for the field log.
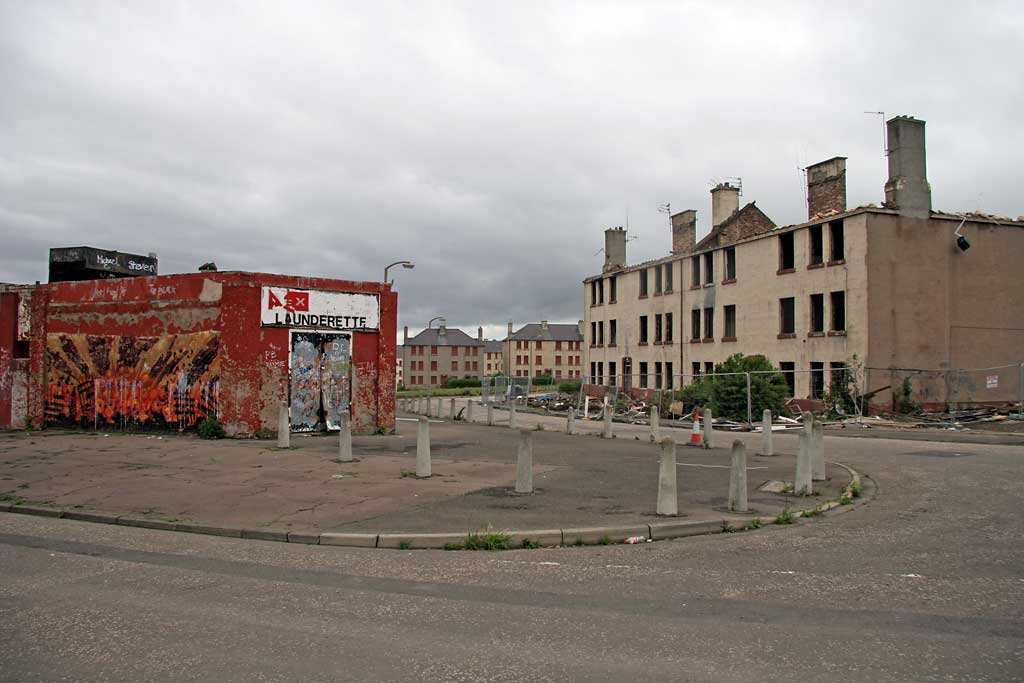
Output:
(404, 264)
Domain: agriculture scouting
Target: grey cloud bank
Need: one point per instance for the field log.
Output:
(489, 144)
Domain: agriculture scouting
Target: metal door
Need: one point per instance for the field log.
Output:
(320, 364)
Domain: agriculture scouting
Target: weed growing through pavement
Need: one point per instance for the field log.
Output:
(726, 529)
(530, 544)
(856, 489)
(755, 523)
(845, 500)
(785, 517)
(813, 512)
(604, 540)
(404, 545)
(408, 473)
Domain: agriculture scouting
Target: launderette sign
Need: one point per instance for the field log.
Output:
(319, 310)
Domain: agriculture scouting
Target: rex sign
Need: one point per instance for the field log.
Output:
(316, 309)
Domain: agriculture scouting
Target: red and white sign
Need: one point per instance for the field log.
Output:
(316, 309)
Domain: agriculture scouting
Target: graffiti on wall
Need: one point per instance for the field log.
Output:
(320, 366)
(132, 382)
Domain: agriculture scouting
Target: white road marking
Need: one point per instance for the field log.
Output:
(724, 467)
(416, 419)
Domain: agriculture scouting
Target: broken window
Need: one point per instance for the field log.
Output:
(613, 331)
(657, 279)
(643, 329)
(730, 264)
(668, 276)
(600, 333)
(817, 253)
(709, 323)
(695, 324)
(789, 372)
(730, 322)
(668, 375)
(695, 271)
(643, 282)
(643, 375)
(838, 311)
(817, 313)
(593, 292)
(709, 368)
(787, 261)
(600, 372)
(658, 379)
(817, 379)
(600, 291)
(787, 321)
(695, 369)
(838, 378)
(657, 328)
(593, 372)
(668, 328)
(612, 287)
(611, 374)
(593, 333)
(709, 267)
(838, 248)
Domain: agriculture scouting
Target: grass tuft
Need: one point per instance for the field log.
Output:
(785, 517)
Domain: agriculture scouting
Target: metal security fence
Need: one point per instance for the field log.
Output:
(838, 390)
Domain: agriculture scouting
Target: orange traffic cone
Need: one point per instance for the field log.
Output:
(695, 437)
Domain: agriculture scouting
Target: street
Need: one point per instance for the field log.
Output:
(923, 582)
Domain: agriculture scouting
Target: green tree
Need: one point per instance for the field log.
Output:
(729, 391)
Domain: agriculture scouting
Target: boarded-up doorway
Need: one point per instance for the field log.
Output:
(320, 378)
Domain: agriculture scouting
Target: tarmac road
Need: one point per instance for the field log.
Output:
(924, 582)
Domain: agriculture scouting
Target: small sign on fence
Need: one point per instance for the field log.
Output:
(992, 382)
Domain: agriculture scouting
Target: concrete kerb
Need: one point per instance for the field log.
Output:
(655, 531)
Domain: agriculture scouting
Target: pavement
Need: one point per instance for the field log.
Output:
(923, 582)
(580, 481)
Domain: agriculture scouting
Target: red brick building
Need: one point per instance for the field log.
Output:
(165, 352)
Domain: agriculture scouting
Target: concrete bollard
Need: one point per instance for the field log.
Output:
(706, 418)
(818, 451)
(437, 408)
(524, 462)
(284, 427)
(766, 433)
(451, 409)
(668, 498)
(655, 425)
(469, 410)
(802, 480)
(345, 440)
(606, 430)
(490, 414)
(512, 415)
(423, 448)
(570, 422)
(738, 479)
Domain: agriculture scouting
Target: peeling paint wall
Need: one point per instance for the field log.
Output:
(116, 351)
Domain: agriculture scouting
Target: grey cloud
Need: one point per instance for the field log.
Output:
(490, 144)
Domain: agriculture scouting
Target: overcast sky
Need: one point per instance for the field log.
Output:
(491, 143)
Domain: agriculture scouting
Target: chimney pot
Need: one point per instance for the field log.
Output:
(684, 231)
(725, 201)
(907, 188)
(614, 249)
(826, 187)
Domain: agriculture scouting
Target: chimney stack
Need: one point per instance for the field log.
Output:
(826, 187)
(479, 334)
(614, 249)
(442, 329)
(510, 328)
(684, 231)
(543, 324)
(725, 201)
(405, 335)
(907, 189)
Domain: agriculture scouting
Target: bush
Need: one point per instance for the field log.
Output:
(542, 380)
(570, 387)
(211, 428)
(729, 392)
(456, 383)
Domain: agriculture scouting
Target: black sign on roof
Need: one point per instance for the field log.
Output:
(69, 264)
